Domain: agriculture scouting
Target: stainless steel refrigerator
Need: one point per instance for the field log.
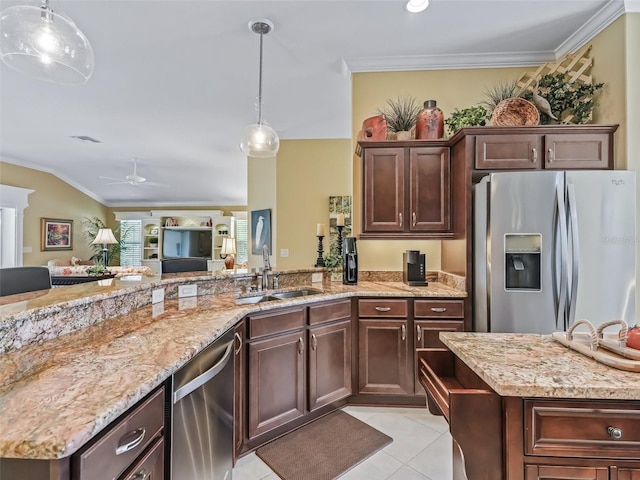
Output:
(553, 247)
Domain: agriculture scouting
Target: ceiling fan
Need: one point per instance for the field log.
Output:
(133, 179)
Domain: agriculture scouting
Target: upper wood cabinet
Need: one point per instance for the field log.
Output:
(556, 147)
(407, 191)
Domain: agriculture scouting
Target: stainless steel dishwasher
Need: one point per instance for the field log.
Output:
(202, 415)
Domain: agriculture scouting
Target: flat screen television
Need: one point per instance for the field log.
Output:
(186, 243)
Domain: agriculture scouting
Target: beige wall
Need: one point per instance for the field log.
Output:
(452, 89)
(308, 173)
(609, 67)
(52, 198)
(262, 185)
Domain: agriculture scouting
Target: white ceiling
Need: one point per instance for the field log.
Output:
(176, 81)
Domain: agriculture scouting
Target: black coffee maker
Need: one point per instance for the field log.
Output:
(414, 271)
(349, 261)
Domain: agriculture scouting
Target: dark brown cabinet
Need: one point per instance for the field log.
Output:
(550, 472)
(407, 191)
(545, 147)
(329, 340)
(150, 466)
(384, 347)
(430, 318)
(276, 370)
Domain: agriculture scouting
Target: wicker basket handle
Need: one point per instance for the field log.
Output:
(593, 336)
(622, 333)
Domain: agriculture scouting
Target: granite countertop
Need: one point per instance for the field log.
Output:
(529, 365)
(57, 394)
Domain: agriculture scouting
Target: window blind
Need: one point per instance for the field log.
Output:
(131, 240)
(242, 241)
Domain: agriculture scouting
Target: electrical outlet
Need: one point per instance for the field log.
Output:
(187, 290)
(316, 277)
(157, 309)
(284, 252)
(157, 295)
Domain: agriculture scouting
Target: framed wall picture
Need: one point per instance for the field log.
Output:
(260, 230)
(56, 234)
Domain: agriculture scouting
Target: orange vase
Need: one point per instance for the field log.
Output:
(430, 122)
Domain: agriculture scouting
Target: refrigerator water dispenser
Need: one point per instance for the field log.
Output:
(522, 261)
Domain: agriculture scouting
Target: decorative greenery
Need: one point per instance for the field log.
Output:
(401, 114)
(467, 117)
(332, 262)
(566, 99)
(498, 93)
(153, 239)
(97, 270)
(91, 226)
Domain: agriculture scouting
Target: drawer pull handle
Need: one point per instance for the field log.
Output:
(552, 155)
(439, 309)
(535, 155)
(404, 333)
(383, 309)
(400, 217)
(615, 433)
(141, 475)
(419, 330)
(314, 341)
(415, 220)
(300, 345)
(130, 445)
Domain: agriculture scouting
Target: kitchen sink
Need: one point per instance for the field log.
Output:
(270, 297)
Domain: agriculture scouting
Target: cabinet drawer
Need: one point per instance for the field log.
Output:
(438, 308)
(581, 429)
(276, 322)
(383, 308)
(329, 311)
(109, 456)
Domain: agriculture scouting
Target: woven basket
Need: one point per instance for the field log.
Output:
(515, 111)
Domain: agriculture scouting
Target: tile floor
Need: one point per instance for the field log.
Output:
(421, 448)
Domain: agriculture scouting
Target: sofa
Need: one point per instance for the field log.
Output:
(76, 267)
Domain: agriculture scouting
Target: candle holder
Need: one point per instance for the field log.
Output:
(320, 259)
(339, 227)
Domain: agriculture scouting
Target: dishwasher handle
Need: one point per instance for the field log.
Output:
(203, 377)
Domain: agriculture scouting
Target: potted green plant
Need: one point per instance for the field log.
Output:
(476, 116)
(401, 115)
(91, 226)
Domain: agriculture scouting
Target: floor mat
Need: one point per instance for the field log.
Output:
(323, 449)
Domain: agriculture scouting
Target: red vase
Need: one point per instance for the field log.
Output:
(430, 123)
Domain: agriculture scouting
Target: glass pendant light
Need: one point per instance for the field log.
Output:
(44, 44)
(259, 139)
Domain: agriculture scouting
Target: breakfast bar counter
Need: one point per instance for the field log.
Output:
(76, 358)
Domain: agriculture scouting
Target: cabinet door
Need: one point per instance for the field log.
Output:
(239, 389)
(548, 472)
(150, 466)
(276, 382)
(383, 357)
(426, 336)
(384, 190)
(587, 151)
(497, 152)
(429, 197)
(625, 473)
(329, 363)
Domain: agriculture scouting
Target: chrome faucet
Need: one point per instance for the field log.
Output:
(266, 267)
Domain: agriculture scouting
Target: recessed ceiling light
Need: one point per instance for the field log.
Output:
(84, 138)
(416, 6)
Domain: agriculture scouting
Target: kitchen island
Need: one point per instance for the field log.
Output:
(77, 358)
(523, 407)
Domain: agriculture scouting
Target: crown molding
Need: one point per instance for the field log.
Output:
(596, 24)
(442, 62)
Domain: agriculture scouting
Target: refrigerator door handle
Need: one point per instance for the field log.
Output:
(563, 284)
(575, 254)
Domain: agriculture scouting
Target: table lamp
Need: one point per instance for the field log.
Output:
(105, 237)
(228, 250)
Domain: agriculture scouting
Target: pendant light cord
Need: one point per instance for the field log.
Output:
(260, 83)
